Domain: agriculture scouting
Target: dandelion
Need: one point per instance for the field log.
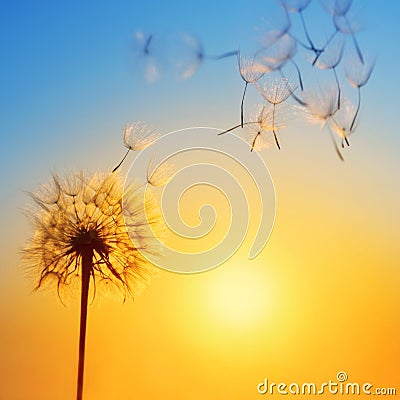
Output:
(277, 55)
(250, 71)
(297, 7)
(272, 32)
(330, 59)
(341, 123)
(261, 130)
(276, 92)
(337, 8)
(142, 49)
(348, 26)
(81, 239)
(159, 173)
(186, 53)
(137, 136)
(358, 73)
(321, 107)
(260, 125)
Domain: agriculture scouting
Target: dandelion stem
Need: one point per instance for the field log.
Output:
(300, 101)
(235, 127)
(87, 260)
(241, 105)
(123, 159)
(254, 141)
(298, 74)
(303, 22)
(336, 146)
(338, 87)
(224, 55)
(147, 45)
(273, 127)
(357, 110)
(356, 45)
(326, 44)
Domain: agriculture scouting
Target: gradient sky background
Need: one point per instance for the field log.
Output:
(323, 295)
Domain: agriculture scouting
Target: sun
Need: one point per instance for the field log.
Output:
(240, 294)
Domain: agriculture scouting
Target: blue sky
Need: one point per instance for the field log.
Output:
(68, 86)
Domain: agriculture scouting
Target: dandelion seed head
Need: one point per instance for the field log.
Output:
(91, 218)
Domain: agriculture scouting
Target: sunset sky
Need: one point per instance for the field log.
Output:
(323, 295)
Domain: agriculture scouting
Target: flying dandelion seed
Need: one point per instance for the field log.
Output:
(282, 51)
(250, 71)
(158, 174)
(330, 59)
(275, 92)
(298, 7)
(259, 127)
(81, 240)
(186, 54)
(144, 55)
(336, 8)
(262, 130)
(274, 28)
(321, 107)
(341, 124)
(347, 25)
(137, 136)
(358, 73)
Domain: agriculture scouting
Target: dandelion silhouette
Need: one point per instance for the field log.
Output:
(81, 239)
(137, 136)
